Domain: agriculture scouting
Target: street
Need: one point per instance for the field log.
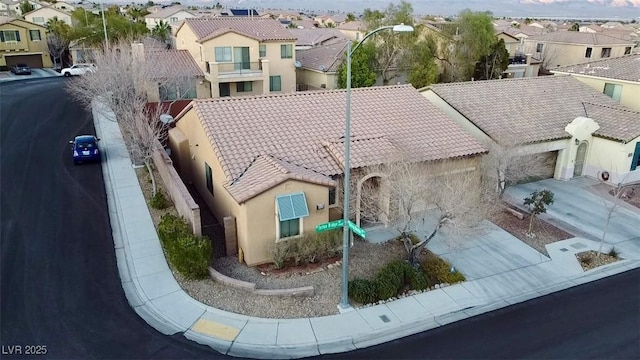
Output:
(60, 286)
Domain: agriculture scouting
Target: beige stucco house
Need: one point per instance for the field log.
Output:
(319, 66)
(241, 56)
(564, 48)
(521, 64)
(354, 30)
(581, 130)
(330, 20)
(274, 162)
(618, 78)
(171, 15)
(44, 14)
(23, 42)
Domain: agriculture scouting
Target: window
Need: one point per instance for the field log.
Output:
(291, 209)
(605, 53)
(35, 35)
(223, 54)
(9, 36)
(332, 196)
(173, 20)
(286, 51)
(613, 91)
(539, 47)
(627, 50)
(38, 19)
(174, 92)
(587, 53)
(209, 177)
(263, 50)
(244, 86)
(275, 84)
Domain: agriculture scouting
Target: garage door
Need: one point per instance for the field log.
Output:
(34, 61)
(539, 166)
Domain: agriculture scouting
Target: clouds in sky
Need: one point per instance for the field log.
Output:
(614, 3)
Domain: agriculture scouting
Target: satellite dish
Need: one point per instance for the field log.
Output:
(166, 119)
(298, 64)
(322, 68)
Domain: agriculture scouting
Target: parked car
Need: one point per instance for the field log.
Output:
(78, 69)
(85, 148)
(21, 69)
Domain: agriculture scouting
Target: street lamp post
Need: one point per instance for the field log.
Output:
(344, 301)
(104, 27)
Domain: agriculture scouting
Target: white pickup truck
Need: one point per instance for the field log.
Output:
(78, 69)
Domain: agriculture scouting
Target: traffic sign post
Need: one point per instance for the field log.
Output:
(331, 225)
(357, 229)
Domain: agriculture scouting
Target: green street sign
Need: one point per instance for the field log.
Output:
(357, 229)
(331, 225)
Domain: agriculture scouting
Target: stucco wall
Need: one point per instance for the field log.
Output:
(181, 15)
(562, 54)
(48, 13)
(317, 78)
(613, 157)
(25, 46)
(630, 96)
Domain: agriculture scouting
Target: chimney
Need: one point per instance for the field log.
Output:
(137, 51)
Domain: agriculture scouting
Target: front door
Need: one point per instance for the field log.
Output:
(225, 89)
(580, 156)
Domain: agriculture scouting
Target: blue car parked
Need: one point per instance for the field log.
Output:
(85, 148)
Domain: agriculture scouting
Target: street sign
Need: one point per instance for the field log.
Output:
(357, 229)
(331, 225)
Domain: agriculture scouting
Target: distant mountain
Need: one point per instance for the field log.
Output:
(601, 9)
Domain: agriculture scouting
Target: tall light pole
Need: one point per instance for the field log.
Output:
(344, 300)
(104, 27)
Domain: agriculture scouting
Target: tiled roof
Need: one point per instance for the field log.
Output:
(366, 151)
(621, 68)
(621, 124)
(6, 19)
(295, 129)
(583, 38)
(171, 62)
(527, 110)
(256, 28)
(315, 36)
(352, 25)
(523, 29)
(166, 12)
(323, 58)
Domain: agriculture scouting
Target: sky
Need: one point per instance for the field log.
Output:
(601, 9)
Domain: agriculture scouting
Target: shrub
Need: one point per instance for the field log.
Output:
(189, 254)
(159, 201)
(614, 253)
(438, 271)
(280, 254)
(363, 291)
(308, 248)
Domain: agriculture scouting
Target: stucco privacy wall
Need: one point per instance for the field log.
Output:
(316, 78)
(630, 96)
(182, 200)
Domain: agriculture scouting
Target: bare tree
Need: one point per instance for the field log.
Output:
(57, 46)
(124, 80)
(415, 193)
(618, 192)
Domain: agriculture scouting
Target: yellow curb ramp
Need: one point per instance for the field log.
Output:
(215, 329)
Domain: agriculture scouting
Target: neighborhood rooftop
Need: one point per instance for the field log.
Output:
(316, 36)
(301, 134)
(168, 63)
(166, 12)
(255, 28)
(621, 68)
(537, 109)
(584, 38)
(325, 58)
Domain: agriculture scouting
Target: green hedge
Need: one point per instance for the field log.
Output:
(189, 254)
(396, 277)
(309, 248)
(159, 201)
(438, 271)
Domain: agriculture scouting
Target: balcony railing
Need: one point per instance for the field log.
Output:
(518, 60)
(240, 68)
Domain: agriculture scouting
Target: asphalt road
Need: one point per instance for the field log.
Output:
(60, 286)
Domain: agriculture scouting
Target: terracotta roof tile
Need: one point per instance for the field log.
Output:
(528, 110)
(615, 122)
(256, 28)
(168, 61)
(621, 68)
(166, 12)
(583, 38)
(364, 151)
(325, 58)
(315, 36)
(294, 128)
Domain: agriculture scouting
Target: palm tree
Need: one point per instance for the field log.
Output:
(161, 31)
(575, 27)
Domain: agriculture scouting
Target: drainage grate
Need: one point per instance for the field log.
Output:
(564, 249)
(385, 318)
(578, 246)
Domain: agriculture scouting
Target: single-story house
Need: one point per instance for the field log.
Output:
(274, 162)
(617, 77)
(585, 131)
(319, 66)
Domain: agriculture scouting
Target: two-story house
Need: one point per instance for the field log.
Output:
(564, 48)
(241, 56)
(23, 42)
(170, 15)
(46, 13)
(521, 64)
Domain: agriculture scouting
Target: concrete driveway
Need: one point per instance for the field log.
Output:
(584, 211)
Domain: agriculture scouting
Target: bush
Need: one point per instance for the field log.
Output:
(363, 291)
(396, 276)
(614, 253)
(438, 271)
(189, 254)
(280, 254)
(159, 201)
(307, 249)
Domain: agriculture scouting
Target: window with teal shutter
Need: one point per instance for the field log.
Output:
(291, 208)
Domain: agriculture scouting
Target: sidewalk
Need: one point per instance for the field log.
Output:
(500, 270)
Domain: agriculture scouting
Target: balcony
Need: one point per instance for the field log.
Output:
(518, 60)
(239, 71)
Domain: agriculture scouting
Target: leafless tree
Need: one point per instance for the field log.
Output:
(126, 76)
(619, 192)
(57, 45)
(413, 193)
(548, 57)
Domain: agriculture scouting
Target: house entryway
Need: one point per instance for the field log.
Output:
(211, 227)
(578, 165)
